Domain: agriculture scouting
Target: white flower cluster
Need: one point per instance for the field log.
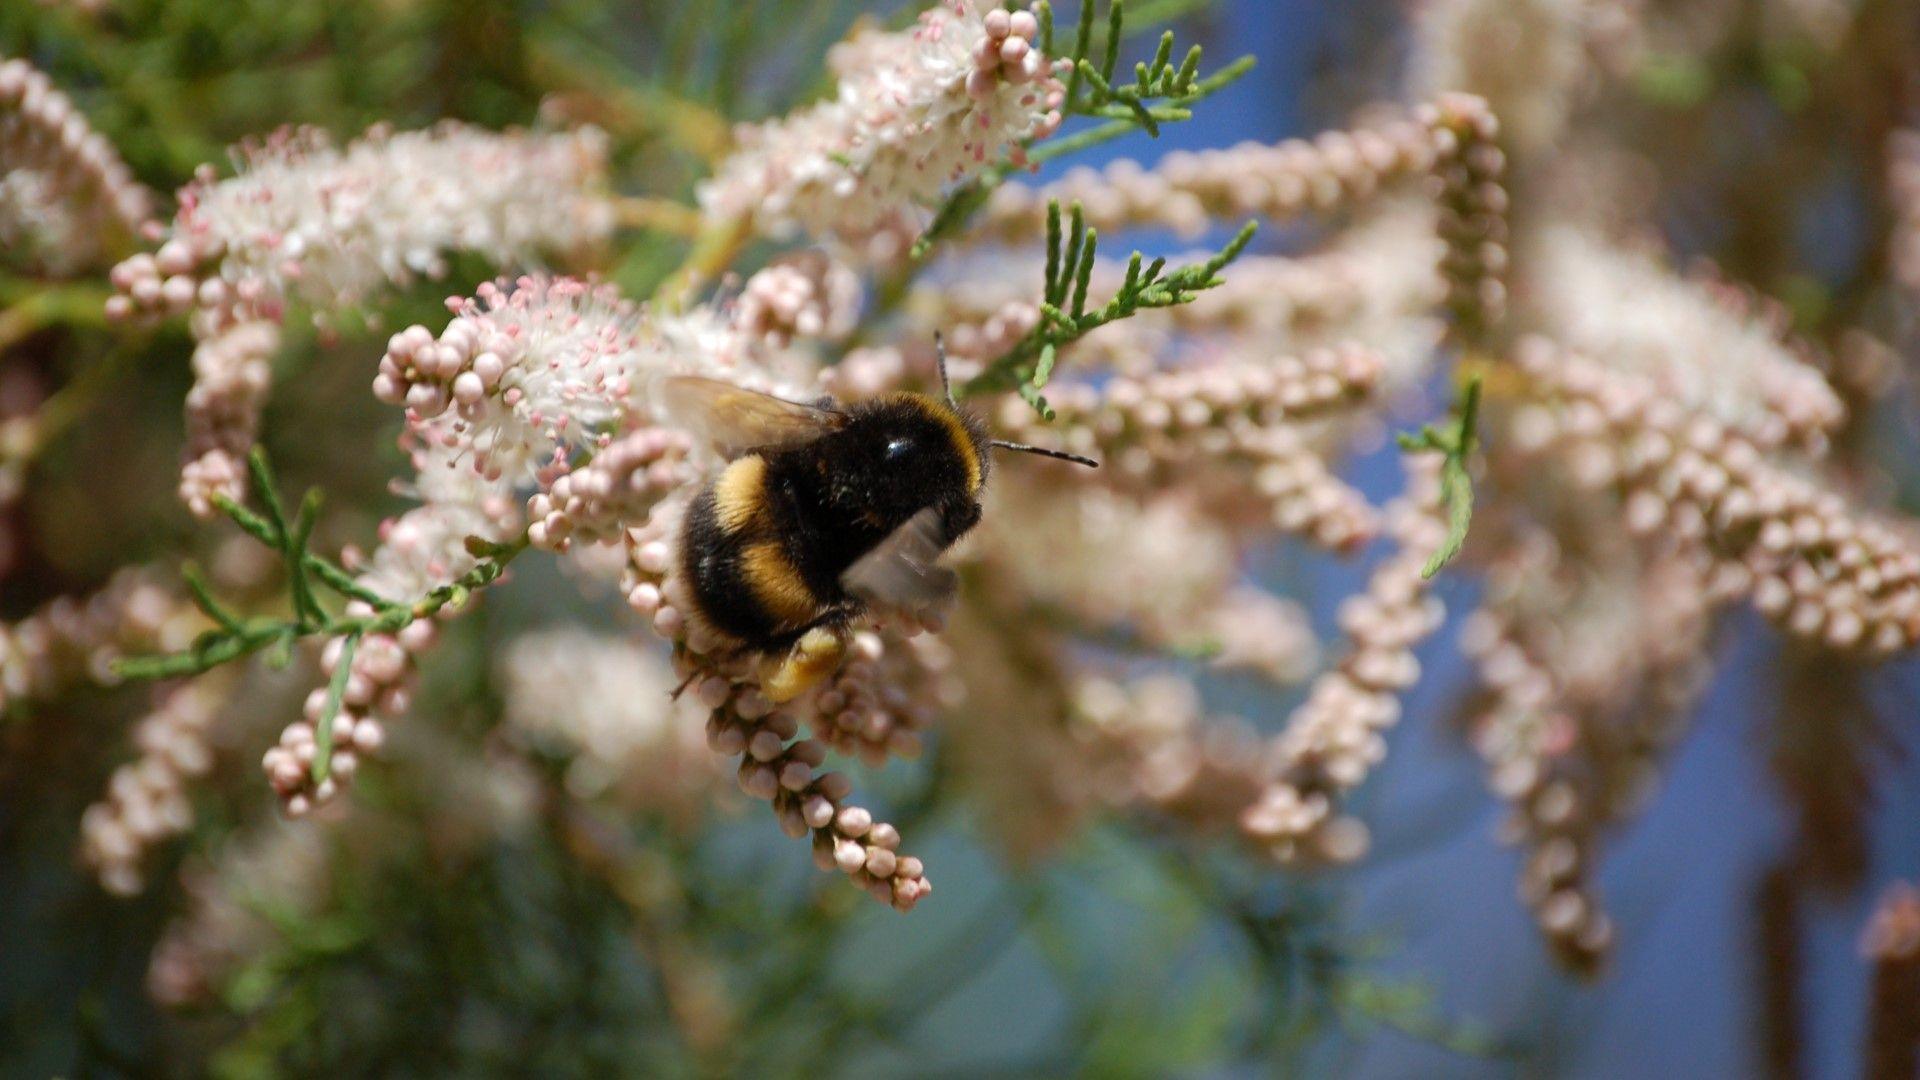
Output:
(915, 112)
(606, 702)
(305, 221)
(521, 372)
(1628, 310)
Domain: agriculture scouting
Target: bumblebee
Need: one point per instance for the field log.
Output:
(822, 513)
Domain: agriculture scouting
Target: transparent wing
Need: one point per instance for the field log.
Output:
(901, 571)
(734, 420)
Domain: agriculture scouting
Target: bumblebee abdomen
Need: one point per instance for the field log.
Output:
(742, 571)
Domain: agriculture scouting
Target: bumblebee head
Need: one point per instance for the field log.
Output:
(979, 431)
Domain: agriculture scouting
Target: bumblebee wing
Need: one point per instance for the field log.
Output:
(734, 419)
(901, 571)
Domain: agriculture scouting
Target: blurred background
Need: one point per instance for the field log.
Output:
(469, 923)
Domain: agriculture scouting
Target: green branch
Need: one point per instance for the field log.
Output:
(1064, 316)
(234, 638)
(1456, 485)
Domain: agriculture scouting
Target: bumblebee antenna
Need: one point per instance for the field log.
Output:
(1044, 452)
(940, 350)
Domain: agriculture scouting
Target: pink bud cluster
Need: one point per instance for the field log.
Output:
(599, 501)
(810, 295)
(147, 799)
(73, 639)
(1008, 51)
(886, 692)
(1333, 740)
(916, 111)
(1531, 742)
(420, 550)
(306, 222)
(1795, 548)
(1470, 168)
(1229, 428)
(231, 376)
(1188, 191)
(1375, 288)
(778, 767)
(1592, 654)
(42, 133)
(377, 689)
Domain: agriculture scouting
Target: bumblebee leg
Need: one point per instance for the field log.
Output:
(812, 658)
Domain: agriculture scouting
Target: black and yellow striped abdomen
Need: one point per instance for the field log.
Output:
(738, 564)
(766, 544)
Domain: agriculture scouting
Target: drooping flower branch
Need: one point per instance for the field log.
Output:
(1334, 739)
(64, 192)
(148, 800)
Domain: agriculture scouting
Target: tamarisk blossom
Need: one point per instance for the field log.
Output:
(808, 295)
(74, 639)
(1803, 556)
(522, 373)
(608, 704)
(528, 372)
(1228, 431)
(1189, 191)
(1626, 311)
(63, 188)
(915, 112)
(232, 374)
(1592, 664)
(147, 800)
(304, 222)
(1333, 739)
